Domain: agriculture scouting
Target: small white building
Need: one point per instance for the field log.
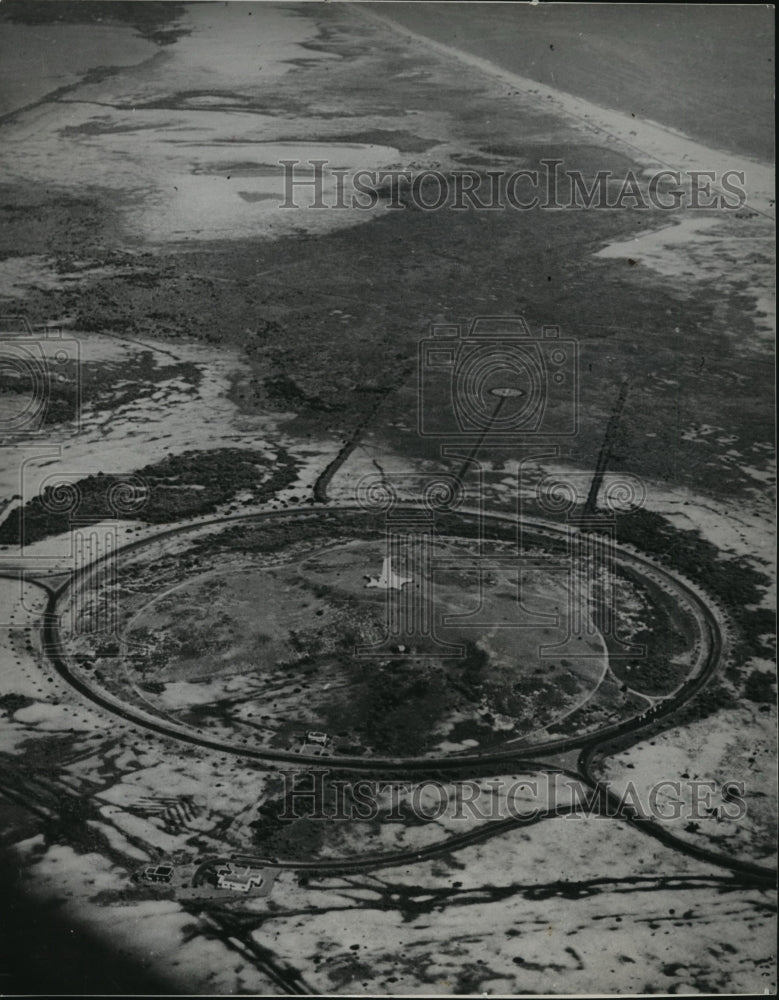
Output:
(239, 879)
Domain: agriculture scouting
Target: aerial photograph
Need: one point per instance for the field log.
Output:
(387, 507)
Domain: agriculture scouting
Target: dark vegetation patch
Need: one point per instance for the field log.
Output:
(180, 486)
(48, 393)
(609, 703)
(732, 581)
(34, 220)
(293, 823)
(277, 534)
(243, 168)
(252, 196)
(394, 708)
(285, 391)
(585, 158)
(10, 703)
(760, 687)
(65, 388)
(665, 631)
(222, 100)
(138, 378)
(284, 827)
(403, 141)
(153, 19)
(104, 125)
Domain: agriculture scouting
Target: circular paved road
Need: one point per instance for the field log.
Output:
(710, 648)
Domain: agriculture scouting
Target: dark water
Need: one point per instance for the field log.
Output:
(703, 69)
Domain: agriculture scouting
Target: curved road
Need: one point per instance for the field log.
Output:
(709, 659)
(590, 745)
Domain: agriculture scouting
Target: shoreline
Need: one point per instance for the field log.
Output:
(650, 143)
